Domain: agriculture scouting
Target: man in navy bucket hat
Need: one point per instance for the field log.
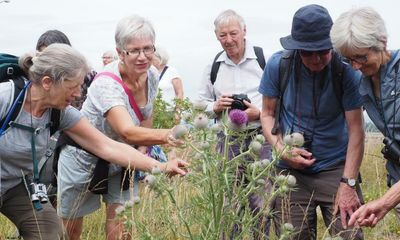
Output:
(320, 103)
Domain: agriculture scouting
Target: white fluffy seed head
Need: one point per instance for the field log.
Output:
(179, 131)
(291, 181)
(200, 121)
(260, 138)
(255, 147)
(298, 139)
(150, 180)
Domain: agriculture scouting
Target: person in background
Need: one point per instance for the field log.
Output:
(50, 37)
(239, 73)
(171, 85)
(109, 56)
(360, 35)
(55, 79)
(327, 166)
(170, 80)
(110, 106)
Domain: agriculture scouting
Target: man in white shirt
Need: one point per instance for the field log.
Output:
(239, 72)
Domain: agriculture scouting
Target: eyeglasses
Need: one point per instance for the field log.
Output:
(305, 53)
(147, 51)
(360, 59)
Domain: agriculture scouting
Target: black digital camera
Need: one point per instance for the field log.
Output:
(238, 101)
(391, 150)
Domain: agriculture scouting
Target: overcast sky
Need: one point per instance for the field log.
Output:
(183, 27)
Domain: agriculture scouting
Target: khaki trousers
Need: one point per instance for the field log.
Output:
(32, 224)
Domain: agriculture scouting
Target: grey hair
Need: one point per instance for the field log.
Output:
(133, 27)
(227, 17)
(57, 61)
(162, 55)
(359, 28)
(111, 53)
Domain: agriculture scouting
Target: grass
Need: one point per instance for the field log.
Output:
(374, 185)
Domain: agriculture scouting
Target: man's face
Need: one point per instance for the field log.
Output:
(315, 61)
(231, 36)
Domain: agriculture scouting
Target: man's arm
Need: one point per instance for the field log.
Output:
(347, 200)
(297, 157)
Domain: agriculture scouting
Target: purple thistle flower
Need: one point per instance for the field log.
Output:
(238, 117)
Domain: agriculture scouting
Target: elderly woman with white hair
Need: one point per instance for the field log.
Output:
(120, 104)
(360, 36)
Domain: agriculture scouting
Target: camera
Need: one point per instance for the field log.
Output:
(391, 150)
(238, 101)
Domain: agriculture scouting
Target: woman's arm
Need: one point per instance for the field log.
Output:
(121, 122)
(122, 154)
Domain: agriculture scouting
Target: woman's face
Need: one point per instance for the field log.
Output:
(367, 60)
(64, 94)
(137, 55)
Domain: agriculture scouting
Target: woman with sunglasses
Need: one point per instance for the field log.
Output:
(120, 104)
(360, 36)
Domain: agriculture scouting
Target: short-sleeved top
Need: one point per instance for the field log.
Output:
(103, 94)
(312, 108)
(384, 111)
(168, 91)
(232, 78)
(15, 144)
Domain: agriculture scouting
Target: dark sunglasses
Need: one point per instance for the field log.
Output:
(305, 53)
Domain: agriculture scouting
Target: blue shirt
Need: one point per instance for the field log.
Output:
(312, 107)
(388, 104)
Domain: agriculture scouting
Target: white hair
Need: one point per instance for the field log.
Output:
(359, 28)
(133, 27)
(162, 55)
(227, 17)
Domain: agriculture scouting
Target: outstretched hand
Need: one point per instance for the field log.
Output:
(174, 166)
(369, 215)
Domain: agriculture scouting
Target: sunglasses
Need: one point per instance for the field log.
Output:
(305, 53)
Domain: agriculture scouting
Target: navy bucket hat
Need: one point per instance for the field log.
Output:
(310, 29)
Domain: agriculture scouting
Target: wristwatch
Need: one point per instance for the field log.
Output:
(351, 182)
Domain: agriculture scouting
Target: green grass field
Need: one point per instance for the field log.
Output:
(374, 185)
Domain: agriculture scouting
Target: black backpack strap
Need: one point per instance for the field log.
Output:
(162, 72)
(54, 120)
(19, 84)
(260, 56)
(215, 68)
(338, 77)
(284, 72)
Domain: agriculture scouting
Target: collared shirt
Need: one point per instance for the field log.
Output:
(310, 106)
(232, 78)
(384, 111)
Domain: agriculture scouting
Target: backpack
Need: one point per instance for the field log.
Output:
(285, 63)
(215, 66)
(10, 71)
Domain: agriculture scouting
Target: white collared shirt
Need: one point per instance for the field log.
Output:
(232, 78)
